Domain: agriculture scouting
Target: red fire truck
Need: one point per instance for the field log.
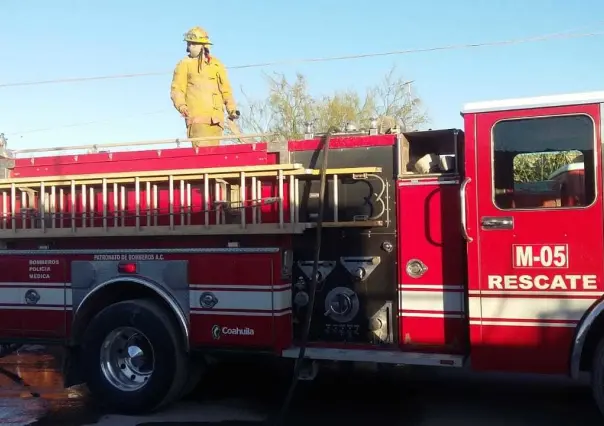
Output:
(432, 248)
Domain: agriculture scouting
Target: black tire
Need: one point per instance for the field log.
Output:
(196, 370)
(597, 376)
(166, 381)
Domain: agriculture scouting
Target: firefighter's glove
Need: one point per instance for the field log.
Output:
(234, 115)
(184, 111)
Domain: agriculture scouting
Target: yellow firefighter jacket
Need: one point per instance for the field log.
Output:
(204, 88)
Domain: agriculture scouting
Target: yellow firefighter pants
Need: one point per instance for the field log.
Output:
(199, 130)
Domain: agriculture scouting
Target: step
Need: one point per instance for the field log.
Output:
(378, 356)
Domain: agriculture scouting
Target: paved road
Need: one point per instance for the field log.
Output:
(243, 396)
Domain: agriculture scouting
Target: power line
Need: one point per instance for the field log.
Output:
(562, 35)
(87, 123)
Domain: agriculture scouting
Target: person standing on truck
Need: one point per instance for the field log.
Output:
(201, 89)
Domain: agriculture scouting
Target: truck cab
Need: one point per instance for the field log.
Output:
(532, 221)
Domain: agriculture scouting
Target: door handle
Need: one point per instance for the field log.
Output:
(462, 196)
(497, 222)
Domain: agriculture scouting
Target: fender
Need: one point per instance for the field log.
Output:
(581, 338)
(156, 288)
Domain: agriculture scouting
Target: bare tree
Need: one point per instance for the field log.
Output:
(289, 106)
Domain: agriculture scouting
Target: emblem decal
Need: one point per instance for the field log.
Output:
(216, 332)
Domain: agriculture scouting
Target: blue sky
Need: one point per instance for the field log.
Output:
(42, 40)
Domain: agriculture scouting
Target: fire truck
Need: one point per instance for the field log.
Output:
(435, 248)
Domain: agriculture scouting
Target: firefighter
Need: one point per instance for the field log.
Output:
(201, 89)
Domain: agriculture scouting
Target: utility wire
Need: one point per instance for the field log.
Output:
(565, 34)
(561, 35)
(87, 123)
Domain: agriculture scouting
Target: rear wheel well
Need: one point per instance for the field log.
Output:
(595, 333)
(113, 293)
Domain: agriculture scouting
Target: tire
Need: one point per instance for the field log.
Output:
(196, 370)
(140, 324)
(597, 376)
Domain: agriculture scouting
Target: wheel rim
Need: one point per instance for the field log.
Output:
(127, 359)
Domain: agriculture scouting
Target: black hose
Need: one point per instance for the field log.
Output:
(6, 350)
(313, 285)
(18, 380)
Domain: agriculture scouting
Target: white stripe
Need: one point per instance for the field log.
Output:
(34, 284)
(530, 293)
(243, 314)
(240, 287)
(48, 296)
(474, 308)
(258, 300)
(529, 308)
(429, 315)
(431, 301)
(282, 299)
(35, 308)
(429, 286)
(522, 324)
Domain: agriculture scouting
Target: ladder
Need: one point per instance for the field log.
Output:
(259, 199)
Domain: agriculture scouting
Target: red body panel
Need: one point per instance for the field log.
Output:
(528, 325)
(431, 307)
(48, 318)
(248, 287)
(251, 294)
(148, 160)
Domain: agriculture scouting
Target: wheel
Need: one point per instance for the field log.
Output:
(597, 376)
(197, 368)
(134, 359)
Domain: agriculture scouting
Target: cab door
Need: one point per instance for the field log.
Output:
(537, 232)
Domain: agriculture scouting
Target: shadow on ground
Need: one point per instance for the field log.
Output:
(243, 395)
(409, 396)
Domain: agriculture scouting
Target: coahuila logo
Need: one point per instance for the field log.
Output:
(218, 331)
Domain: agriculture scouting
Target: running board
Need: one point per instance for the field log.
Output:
(379, 356)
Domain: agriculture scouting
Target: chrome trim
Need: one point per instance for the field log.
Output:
(218, 250)
(419, 270)
(592, 315)
(150, 285)
(601, 158)
(398, 162)
(464, 222)
(496, 222)
(581, 337)
(379, 356)
(426, 181)
(534, 102)
(456, 149)
(122, 368)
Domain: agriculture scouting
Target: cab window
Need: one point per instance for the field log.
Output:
(544, 163)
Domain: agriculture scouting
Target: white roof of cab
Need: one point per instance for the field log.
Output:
(534, 102)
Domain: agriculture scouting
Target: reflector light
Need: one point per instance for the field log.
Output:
(126, 268)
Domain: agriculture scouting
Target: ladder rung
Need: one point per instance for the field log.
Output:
(198, 174)
(198, 202)
(158, 174)
(131, 231)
